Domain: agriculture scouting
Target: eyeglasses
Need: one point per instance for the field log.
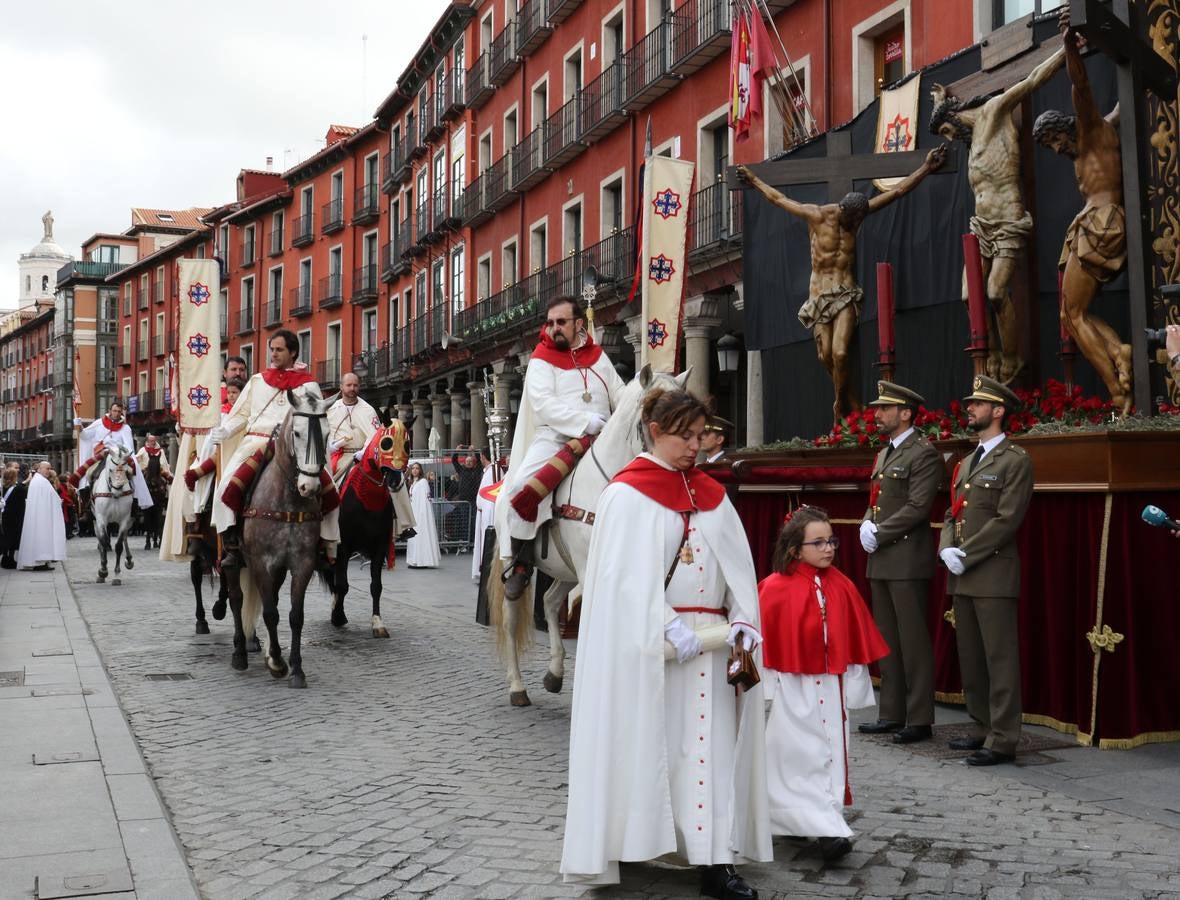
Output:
(556, 323)
(833, 542)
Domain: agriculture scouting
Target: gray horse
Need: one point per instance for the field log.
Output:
(281, 534)
(112, 496)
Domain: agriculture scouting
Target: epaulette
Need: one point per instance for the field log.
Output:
(1018, 448)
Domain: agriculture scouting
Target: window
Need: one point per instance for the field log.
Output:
(485, 32)
(159, 382)
(247, 353)
(371, 177)
(127, 299)
(485, 151)
(538, 246)
(573, 74)
(511, 132)
(160, 349)
(126, 389)
(1007, 11)
(223, 244)
(889, 57)
(369, 329)
(792, 95)
(143, 382)
(458, 296)
(457, 151)
(107, 253)
(336, 261)
(420, 291)
(333, 354)
(223, 312)
(305, 346)
(248, 245)
(508, 263)
(246, 322)
(305, 282)
(572, 228)
(394, 323)
(165, 217)
(459, 70)
(274, 312)
(276, 232)
(612, 38)
(483, 278)
(438, 284)
(337, 186)
(540, 109)
(440, 174)
(611, 205)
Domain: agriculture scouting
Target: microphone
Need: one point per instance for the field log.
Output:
(1153, 515)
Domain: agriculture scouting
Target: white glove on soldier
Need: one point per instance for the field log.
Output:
(749, 635)
(868, 536)
(217, 434)
(952, 558)
(683, 638)
(596, 423)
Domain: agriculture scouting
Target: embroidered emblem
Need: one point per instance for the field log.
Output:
(199, 396)
(667, 203)
(198, 345)
(897, 135)
(198, 294)
(660, 269)
(657, 333)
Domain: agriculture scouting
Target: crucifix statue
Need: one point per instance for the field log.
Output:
(834, 298)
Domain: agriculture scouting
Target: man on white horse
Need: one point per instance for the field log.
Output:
(570, 389)
(111, 429)
(259, 411)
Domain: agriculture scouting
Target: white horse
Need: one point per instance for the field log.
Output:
(112, 495)
(563, 546)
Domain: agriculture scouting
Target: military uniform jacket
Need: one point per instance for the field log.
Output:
(995, 497)
(908, 482)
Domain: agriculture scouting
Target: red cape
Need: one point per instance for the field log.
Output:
(112, 426)
(285, 379)
(678, 491)
(793, 628)
(152, 451)
(581, 358)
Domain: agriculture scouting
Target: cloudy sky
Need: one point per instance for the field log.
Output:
(158, 104)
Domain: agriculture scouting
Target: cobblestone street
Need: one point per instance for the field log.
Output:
(403, 772)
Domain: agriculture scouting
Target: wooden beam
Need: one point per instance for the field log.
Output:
(838, 172)
(984, 84)
(1005, 43)
(1110, 31)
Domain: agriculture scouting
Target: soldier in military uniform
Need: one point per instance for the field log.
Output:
(896, 534)
(990, 493)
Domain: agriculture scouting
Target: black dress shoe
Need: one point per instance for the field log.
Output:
(911, 734)
(724, 883)
(986, 757)
(834, 848)
(966, 743)
(881, 726)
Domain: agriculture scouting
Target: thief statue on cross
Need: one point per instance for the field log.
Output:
(834, 299)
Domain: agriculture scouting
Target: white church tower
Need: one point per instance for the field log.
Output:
(38, 267)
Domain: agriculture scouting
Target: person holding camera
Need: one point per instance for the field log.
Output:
(1172, 344)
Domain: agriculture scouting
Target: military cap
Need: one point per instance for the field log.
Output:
(890, 394)
(717, 423)
(991, 391)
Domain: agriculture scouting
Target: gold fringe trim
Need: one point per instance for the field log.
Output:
(946, 697)
(1103, 546)
(1147, 737)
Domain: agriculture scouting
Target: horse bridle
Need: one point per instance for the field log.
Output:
(316, 452)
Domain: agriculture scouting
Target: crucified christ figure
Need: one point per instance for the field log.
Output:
(1096, 242)
(834, 298)
(1001, 221)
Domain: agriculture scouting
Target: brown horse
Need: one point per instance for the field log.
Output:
(281, 535)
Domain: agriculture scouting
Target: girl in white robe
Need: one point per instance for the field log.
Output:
(422, 550)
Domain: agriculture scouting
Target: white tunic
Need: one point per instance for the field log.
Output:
(553, 410)
(664, 759)
(43, 536)
(422, 550)
(485, 516)
(143, 458)
(350, 427)
(97, 432)
(806, 740)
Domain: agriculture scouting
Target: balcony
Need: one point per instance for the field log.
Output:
(142, 298)
(509, 308)
(301, 301)
(364, 285)
(420, 335)
(158, 290)
(274, 311)
(158, 345)
(441, 213)
(303, 230)
(125, 355)
(248, 253)
(714, 223)
(648, 67)
(246, 318)
(87, 269)
(560, 136)
(601, 108)
(557, 11)
(366, 206)
(332, 216)
(430, 122)
(327, 373)
(474, 203)
(479, 87)
(144, 402)
(701, 31)
(527, 157)
(532, 26)
(104, 376)
(45, 429)
(276, 241)
(423, 226)
(397, 166)
(331, 292)
(223, 326)
(142, 347)
(499, 181)
(450, 94)
(503, 60)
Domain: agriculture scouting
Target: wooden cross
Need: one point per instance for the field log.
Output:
(1140, 69)
(839, 169)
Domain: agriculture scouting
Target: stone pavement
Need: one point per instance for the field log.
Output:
(403, 772)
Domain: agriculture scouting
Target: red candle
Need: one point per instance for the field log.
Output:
(976, 300)
(885, 311)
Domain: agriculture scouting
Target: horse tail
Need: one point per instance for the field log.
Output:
(251, 602)
(523, 633)
(327, 578)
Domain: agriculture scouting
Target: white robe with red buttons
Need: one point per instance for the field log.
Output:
(664, 759)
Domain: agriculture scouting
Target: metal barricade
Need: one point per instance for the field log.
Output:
(452, 521)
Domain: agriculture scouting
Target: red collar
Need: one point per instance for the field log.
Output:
(285, 379)
(226, 407)
(678, 491)
(112, 426)
(581, 358)
(152, 451)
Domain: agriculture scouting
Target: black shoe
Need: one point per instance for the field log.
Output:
(986, 757)
(911, 734)
(724, 883)
(834, 848)
(965, 743)
(515, 583)
(881, 726)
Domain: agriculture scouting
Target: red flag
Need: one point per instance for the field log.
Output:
(750, 57)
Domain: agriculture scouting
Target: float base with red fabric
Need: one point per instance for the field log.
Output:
(1097, 603)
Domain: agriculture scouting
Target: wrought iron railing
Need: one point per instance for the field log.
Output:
(502, 54)
(602, 101)
(532, 26)
(364, 284)
(303, 230)
(276, 241)
(245, 318)
(647, 65)
(478, 87)
(715, 219)
(327, 372)
(301, 300)
(331, 291)
(274, 311)
(366, 205)
(527, 158)
(332, 218)
(561, 132)
(247, 252)
(697, 26)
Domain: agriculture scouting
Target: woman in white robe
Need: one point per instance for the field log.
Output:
(422, 549)
(665, 760)
(43, 537)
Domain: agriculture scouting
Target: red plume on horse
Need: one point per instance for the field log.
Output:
(367, 516)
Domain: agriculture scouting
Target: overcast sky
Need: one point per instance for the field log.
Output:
(107, 106)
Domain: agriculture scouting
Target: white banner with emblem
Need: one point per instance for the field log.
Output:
(198, 387)
(667, 188)
(897, 124)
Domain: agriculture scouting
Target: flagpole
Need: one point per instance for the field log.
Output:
(795, 116)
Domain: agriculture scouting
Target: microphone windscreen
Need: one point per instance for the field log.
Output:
(1153, 515)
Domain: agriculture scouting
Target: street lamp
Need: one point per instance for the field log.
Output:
(362, 363)
(729, 350)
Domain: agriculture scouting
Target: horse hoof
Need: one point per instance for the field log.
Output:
(116, 582)
(100, 579)
(130, 565)
(202, 626)
(552, 683)
(280, 671)
(255, 645)
(339, 619)
(297, 680)
(219, 610)
(520, 698)
(239, 660)
(381, 632)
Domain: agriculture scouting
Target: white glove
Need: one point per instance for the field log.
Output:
(596, 423)
(78, 421)
(217, 434)
(749, 635)
(868, 536)
(952, 558)
(357, 456)
(333, 446)
(683, 638)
